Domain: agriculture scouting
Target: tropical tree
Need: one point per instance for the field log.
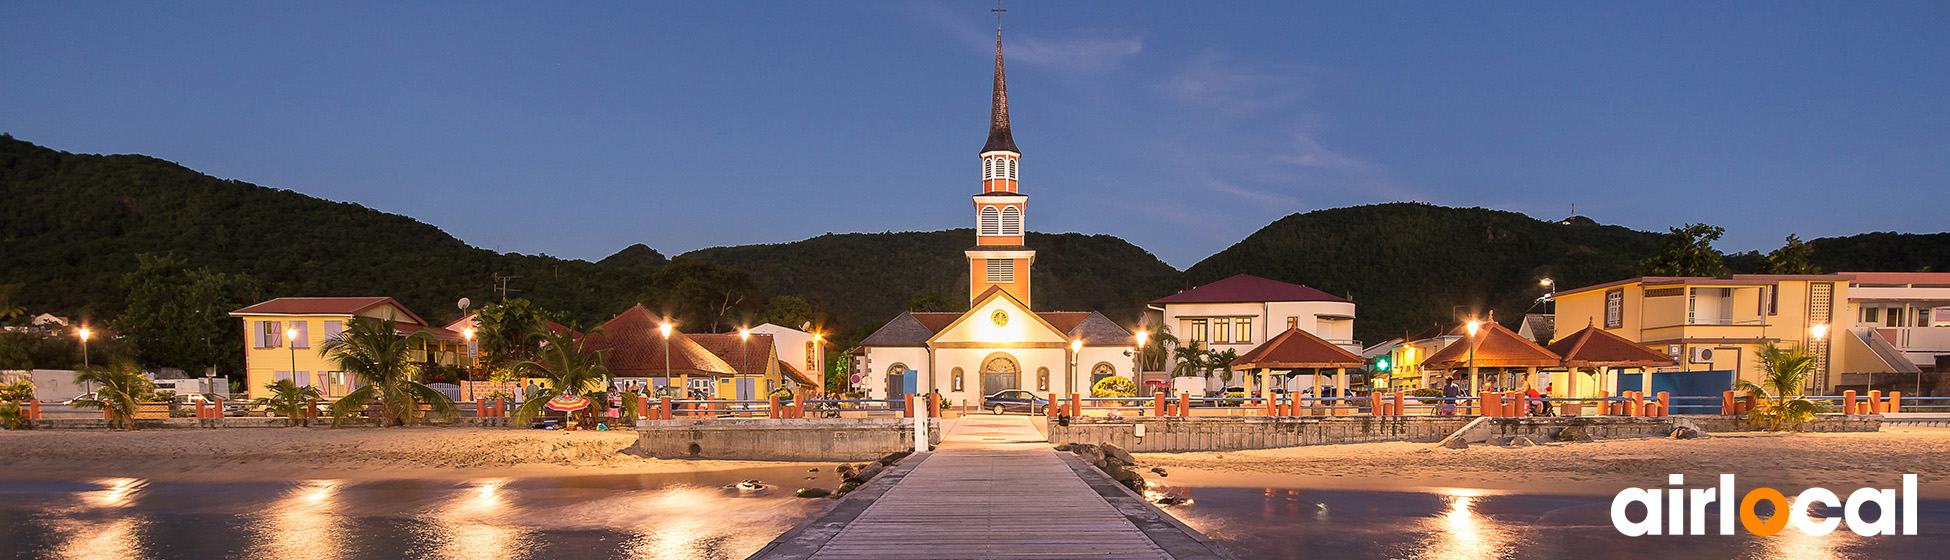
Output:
(786, 311)
(504, 333)
(1687, 251)
(1157, 347)
(566, 369)
(288, 399)
(1189, 360)
(120, 390)
(1792, 258)
(374, 352)
(707, 296)
(178, 316)
(1221, 361)
(11, 395)
(1783, 371)
(8, 308)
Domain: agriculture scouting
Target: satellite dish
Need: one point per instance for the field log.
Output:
(806, 326)
(464, 303)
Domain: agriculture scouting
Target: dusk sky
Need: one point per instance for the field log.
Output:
(576, 129)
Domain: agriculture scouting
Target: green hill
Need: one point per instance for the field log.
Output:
(1407, 265)
(72, 225)
(865, 277)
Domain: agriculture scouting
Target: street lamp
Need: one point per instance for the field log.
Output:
(1473, 327)
(1550, 293)
(291, 343)
(666, 328)
(818, 358)
(1070, 381)
(84, 333)
(468, 334)
(744, 353)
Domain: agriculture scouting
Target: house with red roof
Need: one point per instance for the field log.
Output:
(282, 340)
(1242, 312)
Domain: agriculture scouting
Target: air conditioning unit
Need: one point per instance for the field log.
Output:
(1700, 355)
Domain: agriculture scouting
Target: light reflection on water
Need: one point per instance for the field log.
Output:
(1275, 523)
(652, 517)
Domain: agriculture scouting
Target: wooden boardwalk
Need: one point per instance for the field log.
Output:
(989, 497)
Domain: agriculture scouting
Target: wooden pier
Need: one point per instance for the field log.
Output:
(992, 491)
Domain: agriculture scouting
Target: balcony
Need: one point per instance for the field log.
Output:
(1919, 345)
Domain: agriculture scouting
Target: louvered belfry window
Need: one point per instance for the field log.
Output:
(1011, 221)
(1001, 271)
(991, 222)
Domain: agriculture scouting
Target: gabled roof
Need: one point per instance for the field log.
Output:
(1543, 326)
(1247, 288)
(905, 329)
(1594, 347)
(1295, 349)
(436, 332)
(915, 328)
(1496, 347)
(748, 357)
(796, 376)
(323, 306)
(636, 348)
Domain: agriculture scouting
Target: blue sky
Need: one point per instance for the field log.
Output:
(576, 129)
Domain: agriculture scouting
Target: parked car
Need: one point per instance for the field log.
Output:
(1014, 399)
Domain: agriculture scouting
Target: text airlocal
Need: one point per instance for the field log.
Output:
(1682, 511)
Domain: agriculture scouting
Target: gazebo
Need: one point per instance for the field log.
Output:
(1297, 349)
(1494, 347)
(1597, 351)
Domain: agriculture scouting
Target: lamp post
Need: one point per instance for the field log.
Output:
(1070, 381)
(1473, 327)
(1137, 359)
(1550, 293)
(666, 328)
(819, 359)
(468, 334)
(1820, 332)
(744, 355)
(84, 333)
(291, 343)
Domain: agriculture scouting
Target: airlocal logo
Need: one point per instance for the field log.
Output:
(1684, 515)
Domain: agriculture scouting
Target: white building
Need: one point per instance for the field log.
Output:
(802, 351)
(1000, 343)
(1244, 311)
(1899, 324)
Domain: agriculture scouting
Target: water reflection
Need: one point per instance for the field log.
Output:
(1458, 533)
(478, 523)
(93, 528)
(303, 523)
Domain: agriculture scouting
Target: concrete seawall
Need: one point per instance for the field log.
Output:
(1168, 435)
(759, 439)
(242, 422)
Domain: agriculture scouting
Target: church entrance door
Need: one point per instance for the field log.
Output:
(999, 373)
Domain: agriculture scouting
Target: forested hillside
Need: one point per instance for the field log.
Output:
(1406, 265)
(864, 277)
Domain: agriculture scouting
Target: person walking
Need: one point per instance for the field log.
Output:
(1450, 392)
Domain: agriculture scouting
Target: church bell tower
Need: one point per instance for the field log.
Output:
(999, 259)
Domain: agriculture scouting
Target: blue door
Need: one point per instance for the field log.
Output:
(747, 388)
(1684, 384)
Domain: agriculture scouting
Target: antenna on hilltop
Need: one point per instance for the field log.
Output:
(501, 285)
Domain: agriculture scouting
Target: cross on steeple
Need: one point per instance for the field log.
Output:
(998, 18)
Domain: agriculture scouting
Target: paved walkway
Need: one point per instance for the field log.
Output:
(994, 489)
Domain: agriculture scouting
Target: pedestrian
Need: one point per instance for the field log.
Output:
(1450, 393)
(1536, 406)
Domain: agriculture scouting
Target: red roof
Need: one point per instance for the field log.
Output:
(323, 306)
(1594, 347)
(1295, 349)
(1247, 288)
(1496, 347)
(636, 348)
(748, 357)
(436, 332)
(796, 376)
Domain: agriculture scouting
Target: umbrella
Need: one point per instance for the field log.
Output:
(567, 403)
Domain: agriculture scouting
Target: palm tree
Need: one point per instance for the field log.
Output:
(1222, 361)
(374, 351)
(1156, 349)
(1189, 360)
(288, 399)
(119, 390)
(565, 368)
(1783, 372)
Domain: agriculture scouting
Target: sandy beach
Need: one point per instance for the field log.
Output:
(1840, 462)
(350, 454)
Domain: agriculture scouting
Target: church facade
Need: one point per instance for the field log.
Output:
(1001, 343)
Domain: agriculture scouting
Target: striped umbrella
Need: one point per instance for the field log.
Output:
(567, 403)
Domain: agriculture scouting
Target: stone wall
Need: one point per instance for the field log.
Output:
(762, 439)
(238, 422)
(1168, 435)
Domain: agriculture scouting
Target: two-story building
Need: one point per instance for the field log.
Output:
(282, 340)
(1717, 324)
(1244, 311)
(1898, 327)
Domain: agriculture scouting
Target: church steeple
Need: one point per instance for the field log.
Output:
(999, 138)
(1000, 258)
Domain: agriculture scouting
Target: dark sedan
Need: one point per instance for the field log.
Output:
(1005, 401)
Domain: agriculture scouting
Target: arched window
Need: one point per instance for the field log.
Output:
(1042, 379)
(955, 382)
(1011, 221)
(991, 222)
(812, 356)
(1012, 169)
(1101, 371)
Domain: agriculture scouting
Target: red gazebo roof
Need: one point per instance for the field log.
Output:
(1496, 347)
(1595, 347)
(1297, 349)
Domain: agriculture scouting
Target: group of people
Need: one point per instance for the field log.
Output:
(1537, 407)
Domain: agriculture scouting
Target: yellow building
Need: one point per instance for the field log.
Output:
(282, 339)
(1717, 324)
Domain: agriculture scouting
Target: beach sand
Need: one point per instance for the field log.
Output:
(1840, 462)
(274, 454)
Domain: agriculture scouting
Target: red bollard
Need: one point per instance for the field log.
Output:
(34, 409)
(1492, 404)
(1076, 405)
(907, 411)
(1055, 407)
(663, 409)
(1185, 404)
(798, 405)
(772, 409)
(934, 405)
(1399, 409)
(1158, 404)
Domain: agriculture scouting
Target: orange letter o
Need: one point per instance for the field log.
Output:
(1774, 523)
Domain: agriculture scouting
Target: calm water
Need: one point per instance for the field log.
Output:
(653, 516)
(1325, 524)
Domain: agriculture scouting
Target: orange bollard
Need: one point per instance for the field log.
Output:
(1076, 405)
(1158, 404)
(1726, 402)
(772, 407)
(1665, 404)
(1848, 402)
(1638, 404)
(1400, 408)
(798, 405)
(1055, 406)
(907, 411)
(1894, 404)
(1272, 405)
(1492, 403)
(934, 405)
(1185, 404)
(663, 409)
(1875, 403)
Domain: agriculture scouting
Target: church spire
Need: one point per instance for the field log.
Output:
(999, 138)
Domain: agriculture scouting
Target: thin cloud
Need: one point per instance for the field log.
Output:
(1308, 152)
(1213, 81)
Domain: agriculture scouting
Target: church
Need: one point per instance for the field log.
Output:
(1000, 343)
